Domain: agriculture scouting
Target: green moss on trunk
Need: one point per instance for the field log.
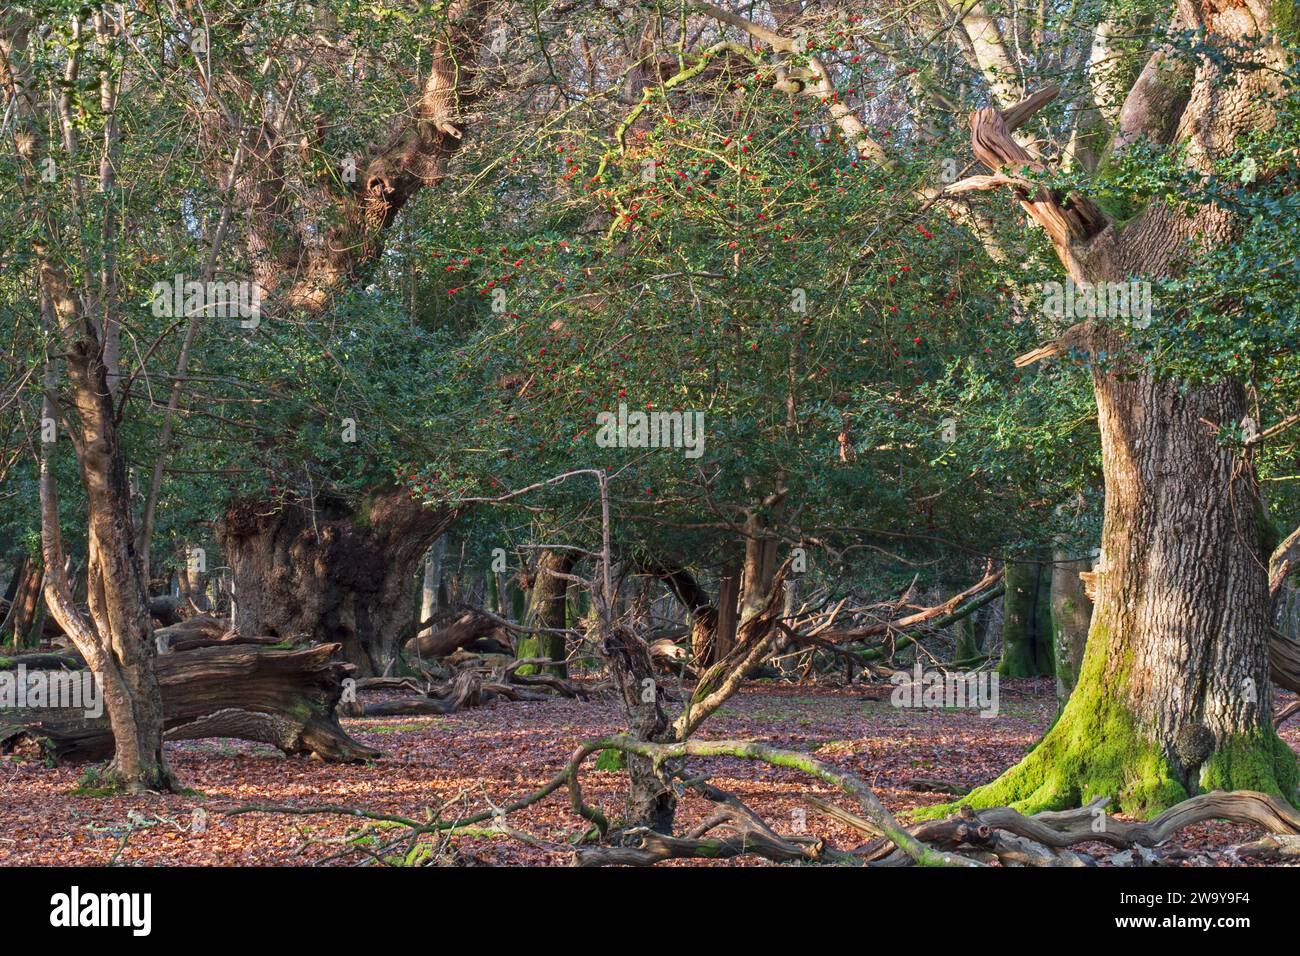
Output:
(1026, 623)
(1286, 21)
(1096, 749)
(1261, 761)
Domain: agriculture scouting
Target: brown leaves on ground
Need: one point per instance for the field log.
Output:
(504, 751)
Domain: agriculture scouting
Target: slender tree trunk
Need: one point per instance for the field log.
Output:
(26, 601)
(724, 637)
(117, 639)
(431, 585)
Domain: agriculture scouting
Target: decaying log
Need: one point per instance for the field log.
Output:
(926, 615)
(1283, 661)
(37, 660)
(466, 626)
(165, 610)
(465, 690)
(198, 631)
(282, 697)
(655, 847)
(1283, 563)
(670, 656)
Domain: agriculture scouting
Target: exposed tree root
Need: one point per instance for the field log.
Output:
(998, 835)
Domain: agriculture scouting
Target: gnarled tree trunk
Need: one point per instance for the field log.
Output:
(651, 802)
(1173, 694)
(336, 574)
(699, 606)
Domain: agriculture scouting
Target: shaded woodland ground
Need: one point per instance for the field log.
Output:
(505, 750)
(432, 426)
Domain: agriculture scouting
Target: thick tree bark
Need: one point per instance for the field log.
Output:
(548, 609)
(338, 574)
(1173, 694)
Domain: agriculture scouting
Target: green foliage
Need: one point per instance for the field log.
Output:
(611, 760)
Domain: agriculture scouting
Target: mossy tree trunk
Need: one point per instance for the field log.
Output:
(1173, 694)
(547, 609)
(970, 633)
(1026, 631)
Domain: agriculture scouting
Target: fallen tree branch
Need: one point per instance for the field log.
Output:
(946, 610)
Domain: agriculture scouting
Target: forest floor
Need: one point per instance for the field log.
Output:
(506, 750)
